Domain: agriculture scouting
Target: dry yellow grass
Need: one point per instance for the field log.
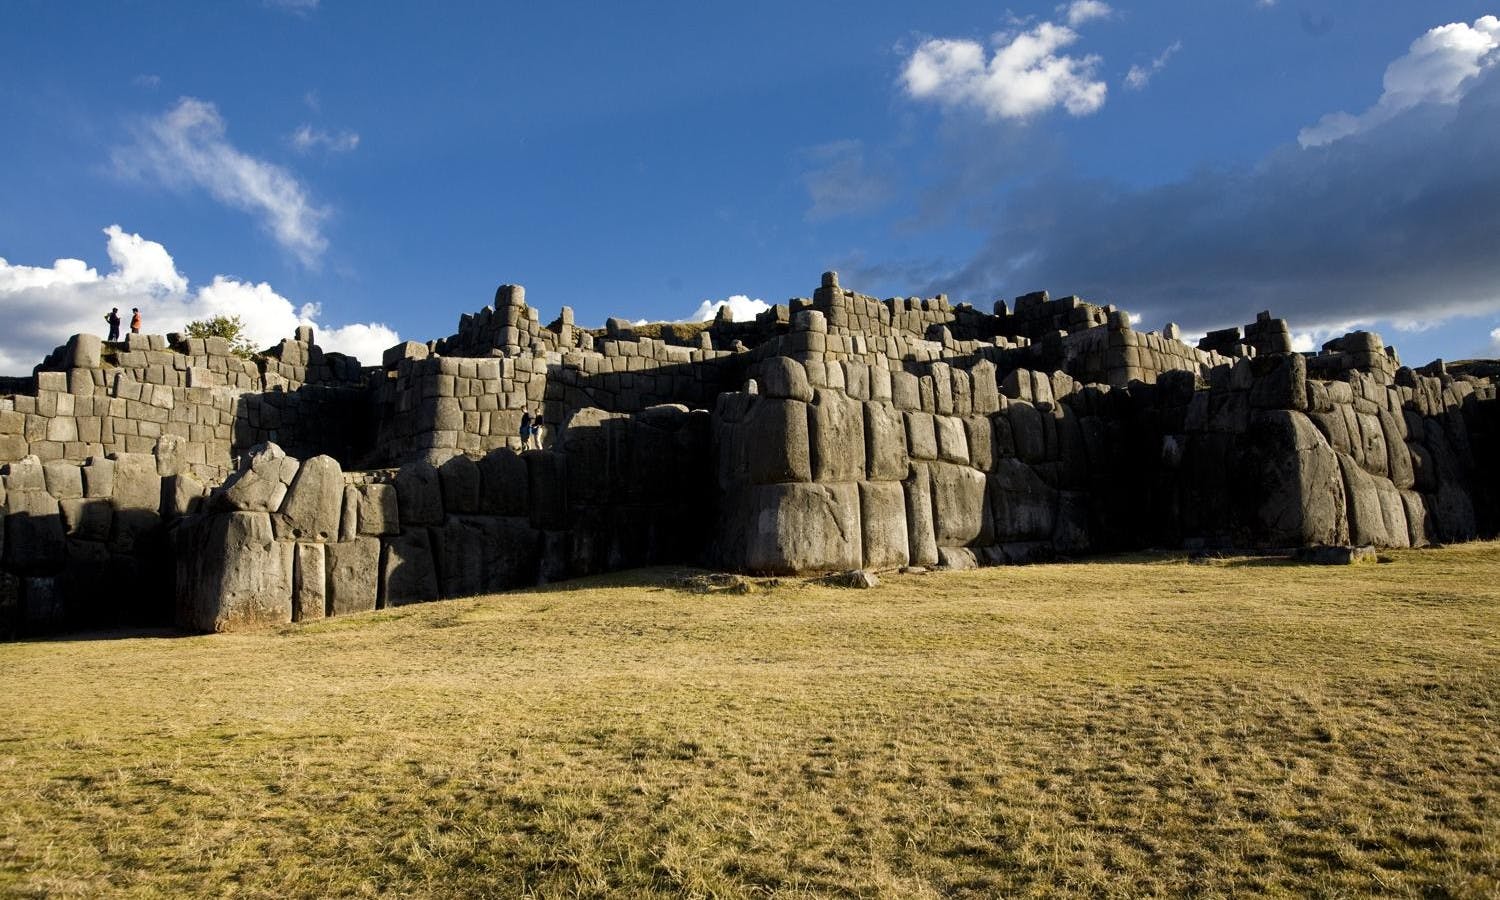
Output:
(1121, 728)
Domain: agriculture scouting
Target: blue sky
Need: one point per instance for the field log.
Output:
(382, 164)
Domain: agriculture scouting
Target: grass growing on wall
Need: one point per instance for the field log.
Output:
(1121, 728)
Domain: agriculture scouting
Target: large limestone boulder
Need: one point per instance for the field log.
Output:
(837, 437)
(87, 519)
(35, 540)
(64, 479)
(921, 436)
(952, 439)
(785, 379)
(85, 351)
(1399, 465)
(353, 570)
(1023, 505)
(1280, 381)
(979, 434)
(419, 494)
(885, 442)
(377, 509)
(136, 484)
(309, 582)
(408, 570)
(1289, 483)
(983, 388)
(778, 447)
(1393, 511)
(959, 514)
(260, 484)
(921, 538)
(1367, 522)
(882, 518)
(460, 481)
(804, 528)
(314, 502)
(1028, 432)
(240, 575)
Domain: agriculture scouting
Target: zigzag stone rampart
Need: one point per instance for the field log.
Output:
(167, 478)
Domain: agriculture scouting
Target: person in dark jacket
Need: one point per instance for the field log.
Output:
(113, 318)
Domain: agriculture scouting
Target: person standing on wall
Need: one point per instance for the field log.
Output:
(135, 320)
(526, 429)
(113, 318)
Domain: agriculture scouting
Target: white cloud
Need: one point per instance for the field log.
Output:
(1495, 342)
(41, 306)
(1080, 11)
(186, 147)
(1439, 67)
(1394, 223)
(1023, 77)
(1140, 76)
(741, 309)
(307, 139)
(300, 7)
(1265, 4)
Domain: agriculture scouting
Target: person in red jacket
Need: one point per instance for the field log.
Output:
(135, 320)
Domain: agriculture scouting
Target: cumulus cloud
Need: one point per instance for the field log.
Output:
(741, 309)
(840, 182)
(40, 306)
(306, 139)
(1437, 69)
(1024, 76)
(1495, 342)
(1394, 221)
(187, 147)
(1140, 76)
(1081, 11)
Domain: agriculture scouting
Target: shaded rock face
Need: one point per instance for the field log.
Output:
(239, 576)
(1294, 481)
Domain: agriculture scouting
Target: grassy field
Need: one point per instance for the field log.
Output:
(1120, 728)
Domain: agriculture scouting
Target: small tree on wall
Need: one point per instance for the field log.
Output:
(230, 328)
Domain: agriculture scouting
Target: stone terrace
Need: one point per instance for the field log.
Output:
(832, 432)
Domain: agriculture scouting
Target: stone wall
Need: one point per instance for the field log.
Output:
(834, 432)
(82, 544)
(191, 402)
(286, 540)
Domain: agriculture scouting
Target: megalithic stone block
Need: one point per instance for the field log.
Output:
(882, 520)
(776, 432)
(837, 437)
(314, 501)
(921, 539)
(243, 574)
(804, 528)
(353, 569)
(309, 582)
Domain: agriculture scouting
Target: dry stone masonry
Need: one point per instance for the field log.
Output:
(166, 478)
